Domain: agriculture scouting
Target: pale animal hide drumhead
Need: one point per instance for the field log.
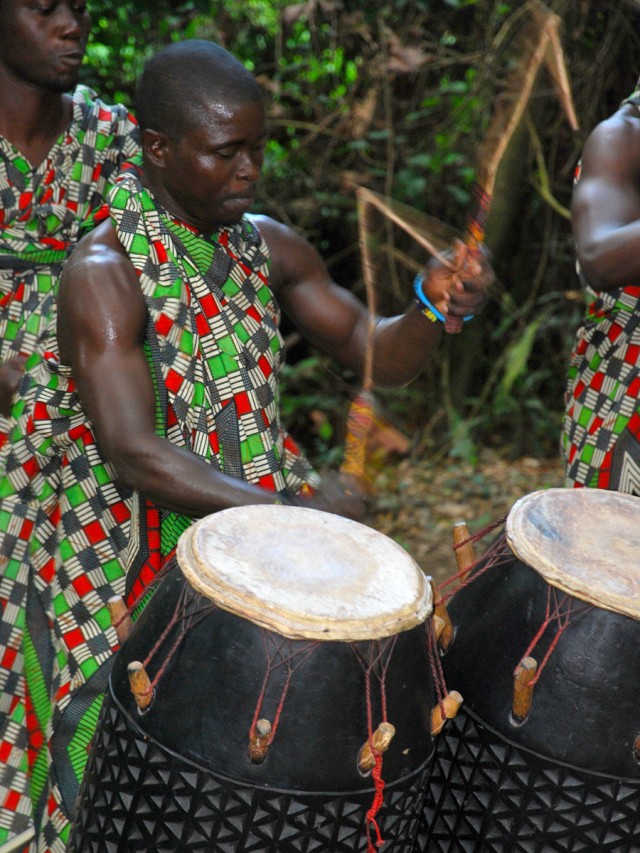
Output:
(305, 573)
(585, 542)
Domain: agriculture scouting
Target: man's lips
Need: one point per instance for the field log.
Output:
(245, 198)
(71, 58)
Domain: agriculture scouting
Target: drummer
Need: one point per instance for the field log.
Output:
(161, 403)
(204, 147)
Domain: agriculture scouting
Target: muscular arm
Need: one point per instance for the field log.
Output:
(101, 324)
(606, 203)
(335, 321)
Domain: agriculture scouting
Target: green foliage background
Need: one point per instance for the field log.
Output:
(396, 95)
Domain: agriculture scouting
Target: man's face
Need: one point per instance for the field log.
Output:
(42, 42)
(210, 174)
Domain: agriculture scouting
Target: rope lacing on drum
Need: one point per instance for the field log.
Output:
(497, 554)
(376, 665)
(436, 665)
(276, 657)
(563, 612)
(378, 801)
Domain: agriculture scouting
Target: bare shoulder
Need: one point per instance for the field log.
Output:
(293, 258)
(99, 296)
(97, 249)
(272, 230)
(615, 142)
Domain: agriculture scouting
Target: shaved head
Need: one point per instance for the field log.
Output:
(181, 79)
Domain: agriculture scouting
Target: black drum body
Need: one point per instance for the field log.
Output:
(568, 777)
(179, 778)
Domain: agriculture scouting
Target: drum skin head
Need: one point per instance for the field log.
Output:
(585, 542)
(304, 573)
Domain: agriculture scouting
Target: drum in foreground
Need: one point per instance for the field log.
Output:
(290, 698)
(544, 754)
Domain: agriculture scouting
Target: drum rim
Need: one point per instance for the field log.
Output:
(291, 624)
(519, 530)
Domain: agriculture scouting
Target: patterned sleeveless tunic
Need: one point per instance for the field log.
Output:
(74, 537)
(42, 211)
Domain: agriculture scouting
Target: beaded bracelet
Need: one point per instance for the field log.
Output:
(427, 307)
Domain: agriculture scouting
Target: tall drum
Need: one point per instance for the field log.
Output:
(289, 697)
(545, 752)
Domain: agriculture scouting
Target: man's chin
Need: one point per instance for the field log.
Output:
(59, 85)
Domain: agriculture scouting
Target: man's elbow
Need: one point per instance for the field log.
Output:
(596, 265)
(132, 463)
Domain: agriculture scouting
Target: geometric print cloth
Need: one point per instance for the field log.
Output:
(73, 537)
(42, 210)
(214, 338)
(41, 213)
(600, 440)
(601, 431)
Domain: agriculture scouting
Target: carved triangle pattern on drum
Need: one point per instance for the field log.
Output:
(139, 796)
(487, 794)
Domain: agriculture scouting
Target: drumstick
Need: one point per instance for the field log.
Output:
(538, 47)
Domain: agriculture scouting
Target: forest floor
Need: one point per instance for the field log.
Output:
(417, 502)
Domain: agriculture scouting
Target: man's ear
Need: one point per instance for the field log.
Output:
(154, 147)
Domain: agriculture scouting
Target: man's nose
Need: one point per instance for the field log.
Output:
(249, 167)
(70, 21)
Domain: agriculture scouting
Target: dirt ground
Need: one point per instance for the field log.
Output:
(417, 502)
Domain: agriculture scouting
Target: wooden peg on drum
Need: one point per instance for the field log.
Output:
(445, 710)
(465, 554)
(523, 689)
(439, 626)
(120, 618)
(444, 626)
(259, 741)
(378, 743)
(140, 685)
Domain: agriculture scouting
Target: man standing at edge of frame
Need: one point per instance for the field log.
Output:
(601, 434)
(60, 149)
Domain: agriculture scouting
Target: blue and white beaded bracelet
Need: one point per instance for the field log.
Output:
(425, 305)
(427, 308)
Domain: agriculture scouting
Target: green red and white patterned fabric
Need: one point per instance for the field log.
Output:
(601, 433)
(42, 211)
(600, 440)
(73, 538)
(41, 214)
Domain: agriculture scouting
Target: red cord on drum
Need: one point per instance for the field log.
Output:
(378, 801)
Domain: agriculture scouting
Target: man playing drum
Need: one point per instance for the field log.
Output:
(161, 403)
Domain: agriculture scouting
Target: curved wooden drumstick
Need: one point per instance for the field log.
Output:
(541, 44)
